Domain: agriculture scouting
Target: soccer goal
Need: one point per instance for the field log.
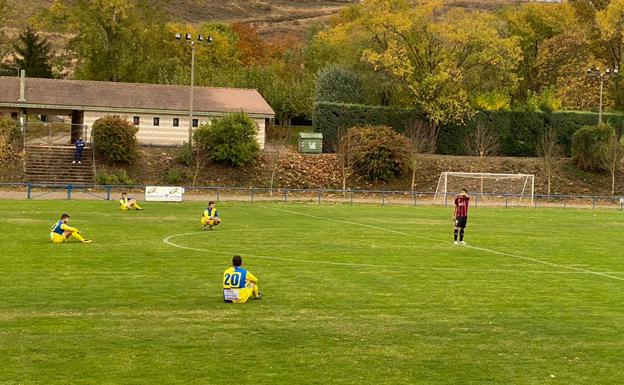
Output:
(495, 189)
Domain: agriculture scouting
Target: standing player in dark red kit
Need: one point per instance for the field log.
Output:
(461, 215)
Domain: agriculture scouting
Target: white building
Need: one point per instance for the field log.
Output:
(160, 112)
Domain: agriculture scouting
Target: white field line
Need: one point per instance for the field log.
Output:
(168, 240)
(535, 260)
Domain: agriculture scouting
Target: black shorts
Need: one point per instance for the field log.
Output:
(461, 222)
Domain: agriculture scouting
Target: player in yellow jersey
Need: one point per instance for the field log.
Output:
(210, 217)
(126, 203)
(239, 284)
(61, 231)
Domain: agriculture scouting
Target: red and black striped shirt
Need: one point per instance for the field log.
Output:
(461, 205)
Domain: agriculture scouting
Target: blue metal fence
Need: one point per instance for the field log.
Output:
(255, 194)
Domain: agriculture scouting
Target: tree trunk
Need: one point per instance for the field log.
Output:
(613, 170)
(433, 135)
(548, 192)
(271, 182)
(548, 176)
(414, 163)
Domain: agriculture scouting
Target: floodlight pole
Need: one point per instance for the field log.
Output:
(188, 37)
(608, 72)
(190, 138)
(600, 103)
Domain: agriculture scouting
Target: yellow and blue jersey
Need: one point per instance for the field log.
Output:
(58, 228)
(237, 277)
(211, 213)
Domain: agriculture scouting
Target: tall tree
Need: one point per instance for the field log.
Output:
(562, 62)
(33, 54)
(610, 22)
(441, 57)
(533, 24)
(3, 41)
(339, 85)
(115, 40)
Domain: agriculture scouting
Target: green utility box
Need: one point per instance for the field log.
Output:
(310, 142)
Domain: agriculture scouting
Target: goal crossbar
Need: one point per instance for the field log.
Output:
(524, 190)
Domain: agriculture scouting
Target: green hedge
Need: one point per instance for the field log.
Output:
(518, 130)
(328, 118)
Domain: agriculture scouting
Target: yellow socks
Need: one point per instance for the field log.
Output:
(77, 236)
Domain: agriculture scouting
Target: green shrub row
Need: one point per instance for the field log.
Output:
(518, 130)
(332, 118)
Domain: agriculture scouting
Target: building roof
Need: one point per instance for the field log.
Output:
(85, 95)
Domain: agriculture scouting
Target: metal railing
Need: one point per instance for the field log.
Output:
(317, 196)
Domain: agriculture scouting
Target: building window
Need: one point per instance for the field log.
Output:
(136, 120)
(156, 121)
(176, 122)
(195, 122)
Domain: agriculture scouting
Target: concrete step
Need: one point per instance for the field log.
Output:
(61, 180)
(58, 163)
(55, 153)
(53, 164)
(44, 175)
(65, 181)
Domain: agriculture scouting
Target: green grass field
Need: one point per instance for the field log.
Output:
(352, 295)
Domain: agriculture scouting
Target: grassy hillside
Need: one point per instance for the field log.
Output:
(270, 16)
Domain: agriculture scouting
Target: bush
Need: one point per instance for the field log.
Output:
(493, 101)
(185, 156)
(589, 147)
(378, 153)
(338, 85)
(174, 176)
(121, 178)
(10, 138)
(115, 139)
(329, 118)
(230, 140)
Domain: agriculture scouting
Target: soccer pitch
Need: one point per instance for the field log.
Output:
(352, 295)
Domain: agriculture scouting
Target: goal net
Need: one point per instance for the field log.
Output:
(488, 188)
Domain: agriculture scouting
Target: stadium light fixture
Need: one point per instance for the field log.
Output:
(188, 37)
(602, 75)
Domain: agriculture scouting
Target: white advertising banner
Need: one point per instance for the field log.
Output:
(164, 193)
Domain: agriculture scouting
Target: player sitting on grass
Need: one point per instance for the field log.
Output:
(126, 203)
(210, 217)
(239, 284)
(461, 215)
(61, 231)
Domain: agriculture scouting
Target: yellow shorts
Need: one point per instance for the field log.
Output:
(57, 238)
(205, 221)
(243, 294)
(123, 207)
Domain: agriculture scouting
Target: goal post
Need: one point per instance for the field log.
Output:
(490, 188)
